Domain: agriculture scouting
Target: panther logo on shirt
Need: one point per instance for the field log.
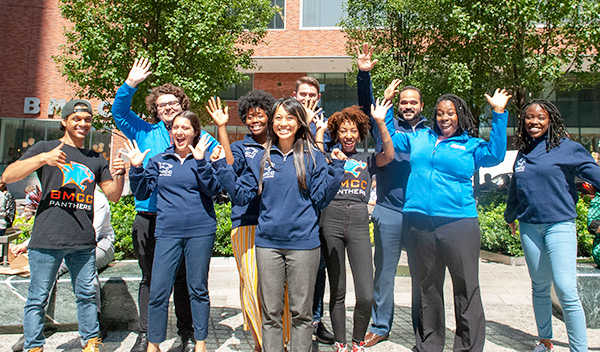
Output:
(354, 167)
(250, 152)
(77, 174)
(520, 165)
(165, 169)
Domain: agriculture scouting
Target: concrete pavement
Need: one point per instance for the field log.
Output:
(506, 294)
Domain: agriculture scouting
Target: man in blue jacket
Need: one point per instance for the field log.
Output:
(391, 187)
(163, 103)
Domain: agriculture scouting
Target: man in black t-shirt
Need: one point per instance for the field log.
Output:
(63, 223)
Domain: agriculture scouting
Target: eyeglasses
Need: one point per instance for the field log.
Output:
(172, 104)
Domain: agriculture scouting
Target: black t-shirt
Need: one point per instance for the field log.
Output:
(66, 211)
(356, 185)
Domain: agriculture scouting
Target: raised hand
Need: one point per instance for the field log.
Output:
(56, 156)
(310, 106)
(391, 91)
(135, 156)
(139, 72)
(219, 115)
(499, 100)
(201, 147)
(320, 122)
(379, 110)
(118, 164)
(217, 154)
(338, 154)
(364, 59)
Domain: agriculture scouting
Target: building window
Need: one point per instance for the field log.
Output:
(235, 91)
(321, 13)
(278, 20)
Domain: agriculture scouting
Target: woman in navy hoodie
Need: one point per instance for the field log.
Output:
(182, 177)
(294, 182)
(441, 216)
(542, 196)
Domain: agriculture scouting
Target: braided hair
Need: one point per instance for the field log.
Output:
(556, 127)
(466, 121)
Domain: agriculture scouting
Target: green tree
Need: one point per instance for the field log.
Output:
(200, 45)
(470, 47)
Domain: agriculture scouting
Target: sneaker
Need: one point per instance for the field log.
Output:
(540, 347)
(36, 349)
(340, 347)
(321, 333)
(92, 345)
(358, 347)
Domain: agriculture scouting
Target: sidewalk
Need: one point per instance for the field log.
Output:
(506, 294)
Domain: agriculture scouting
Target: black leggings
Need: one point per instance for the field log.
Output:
(345, 226)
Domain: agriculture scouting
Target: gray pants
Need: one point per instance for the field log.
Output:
(297, 268)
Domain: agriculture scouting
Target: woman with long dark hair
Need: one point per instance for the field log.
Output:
(542, 196)
(441, 216)
(182, 177)
(294, 182)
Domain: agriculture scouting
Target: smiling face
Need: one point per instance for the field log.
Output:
(537, 121)
(306, 91)
(256, 120)
(285, 125)
(167, 106)
(183, 134)
(77, 125)
(410, 106)
(446, 118)
(348, 136)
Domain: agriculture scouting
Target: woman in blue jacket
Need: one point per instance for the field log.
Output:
(442, 216)
(294, 182)
(542, 196)
(181, 177)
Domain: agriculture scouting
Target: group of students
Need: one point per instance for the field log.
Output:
(299, 187)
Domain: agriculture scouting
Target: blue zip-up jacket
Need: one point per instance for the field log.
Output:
(288, 217)
(542, 189)
(440, 179)
(393, 177)
(153, 136)
(243, 152)
(185, 190)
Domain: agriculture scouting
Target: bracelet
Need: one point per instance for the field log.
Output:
(120, 173)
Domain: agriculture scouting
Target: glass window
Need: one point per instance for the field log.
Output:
(278, 20)
(235, 91)
(336, 94)
(321, 13)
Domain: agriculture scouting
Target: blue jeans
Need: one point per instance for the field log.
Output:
(550, 251)
(388, 226)
(168, 255)
(44, 264)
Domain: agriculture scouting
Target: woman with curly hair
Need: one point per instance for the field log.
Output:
(441, 216)
(542, 196)
(345, 222)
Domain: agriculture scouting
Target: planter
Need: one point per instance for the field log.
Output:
(588, 287)
(501, 258)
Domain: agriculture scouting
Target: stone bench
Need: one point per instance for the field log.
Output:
(588, 286)
(119, 283)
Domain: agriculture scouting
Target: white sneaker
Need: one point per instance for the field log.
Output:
(340, 347)
(540, 347)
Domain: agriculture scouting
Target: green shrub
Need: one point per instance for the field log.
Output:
(223, 236)
(584, 238)
(122, 214)
(25, 226)
(495, 233)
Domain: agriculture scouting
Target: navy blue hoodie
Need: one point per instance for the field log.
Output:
(288, 217)
(185, 191)
(243, 152)
(542, 189)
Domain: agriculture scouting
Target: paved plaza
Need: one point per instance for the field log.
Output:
(505, 291)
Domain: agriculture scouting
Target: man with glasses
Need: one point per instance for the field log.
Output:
(163, 103)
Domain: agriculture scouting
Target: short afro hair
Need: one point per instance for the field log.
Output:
(253, 100)
(351, 114)
(168, 88)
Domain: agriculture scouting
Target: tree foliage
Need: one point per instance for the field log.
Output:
(470, 47)
(200, 45)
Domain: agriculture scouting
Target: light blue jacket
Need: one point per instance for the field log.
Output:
(440, 179)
